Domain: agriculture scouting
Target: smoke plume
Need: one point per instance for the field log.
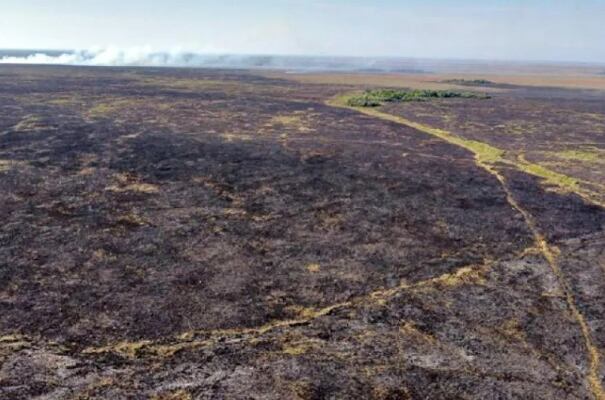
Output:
(145, 56)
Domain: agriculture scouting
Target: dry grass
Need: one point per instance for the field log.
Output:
(111, 106)
(286, 120)
(126, 349)
(176, 395)
(30, 123)
(134, 187)
(6, 165)
(232, 137)
(313, 268)
(573, 80)
(131, 183)
(298, 121)
(409, 329)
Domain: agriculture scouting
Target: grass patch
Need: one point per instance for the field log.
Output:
(377, 97)
(129, 350)
(6, 165)
(286, 120)
(104, 109)
(483, 151)
(135, 187)
(298, 121)
(178, 395)
(313, 268)
(232, 137)
(30, 123)
(589, 155)
(112, 106)
(551, 177)
(64, 101)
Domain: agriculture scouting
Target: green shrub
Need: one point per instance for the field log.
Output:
(377, 97)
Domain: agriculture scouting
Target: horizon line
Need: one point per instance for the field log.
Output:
(316, 55)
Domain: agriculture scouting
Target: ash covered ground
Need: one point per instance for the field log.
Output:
(208, 234)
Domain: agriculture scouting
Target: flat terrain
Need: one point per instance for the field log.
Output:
(532, 78)
(208, 234)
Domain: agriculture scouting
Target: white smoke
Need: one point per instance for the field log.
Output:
(109, 56)
(146, 56)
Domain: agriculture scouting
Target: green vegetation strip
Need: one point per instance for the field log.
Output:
(377, 97)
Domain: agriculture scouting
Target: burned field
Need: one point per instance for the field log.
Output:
(561, 130)
(190, 234)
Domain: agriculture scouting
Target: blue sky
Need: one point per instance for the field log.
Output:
(557, 30)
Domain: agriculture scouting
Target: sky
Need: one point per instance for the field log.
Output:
(541, 30)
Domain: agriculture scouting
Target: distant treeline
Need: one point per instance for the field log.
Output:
(480, 83)
(469, 82)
